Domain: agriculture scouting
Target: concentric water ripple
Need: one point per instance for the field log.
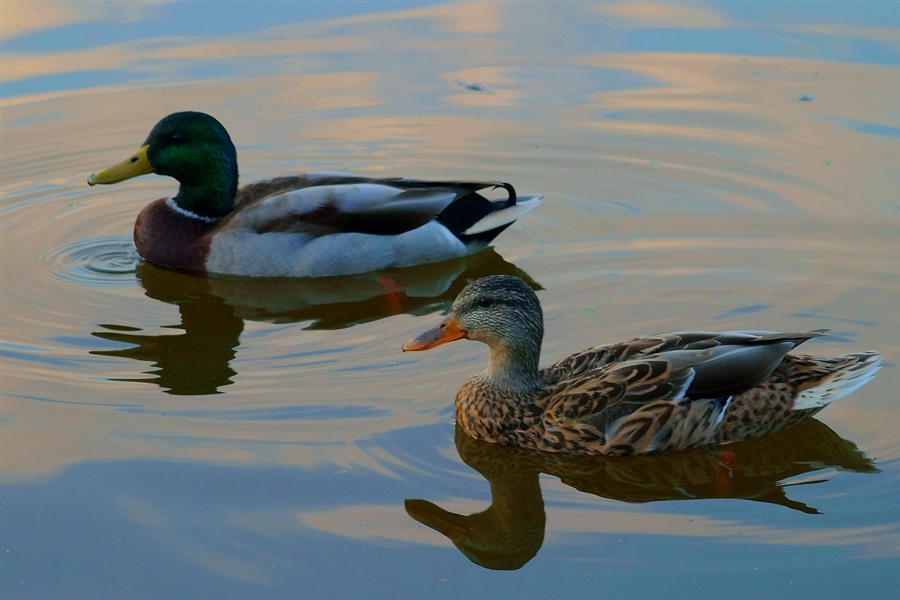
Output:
(97, 262)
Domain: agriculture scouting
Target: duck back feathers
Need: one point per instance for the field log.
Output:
(343, 224)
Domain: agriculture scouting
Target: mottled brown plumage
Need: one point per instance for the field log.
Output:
(654, 394)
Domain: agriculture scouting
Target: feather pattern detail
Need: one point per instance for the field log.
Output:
(658, 393)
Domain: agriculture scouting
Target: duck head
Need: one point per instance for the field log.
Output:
(502, 312)
(196, 150)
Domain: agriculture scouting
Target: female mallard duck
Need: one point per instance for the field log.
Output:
(653, 394)
(311, 225)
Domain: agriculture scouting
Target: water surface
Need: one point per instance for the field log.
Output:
(704, 166)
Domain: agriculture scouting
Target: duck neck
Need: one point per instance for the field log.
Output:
(514, 365)
(208, 191)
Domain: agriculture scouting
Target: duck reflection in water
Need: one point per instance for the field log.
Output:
(510, 532)
(213, 310)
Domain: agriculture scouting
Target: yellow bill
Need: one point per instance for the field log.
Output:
(138, 164)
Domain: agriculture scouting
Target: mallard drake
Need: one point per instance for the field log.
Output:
(650, 394)
(311, 225)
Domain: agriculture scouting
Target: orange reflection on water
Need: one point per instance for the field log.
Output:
(664, 15)
(475, 18)
(20, 18)
(766, 156)
(765, 91)
(34, 449)
(385, 523)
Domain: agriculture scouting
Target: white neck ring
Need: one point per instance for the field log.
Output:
(186, 213)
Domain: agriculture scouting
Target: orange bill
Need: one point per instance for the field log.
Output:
(448, 331)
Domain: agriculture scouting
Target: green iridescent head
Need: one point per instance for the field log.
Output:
(193, 148)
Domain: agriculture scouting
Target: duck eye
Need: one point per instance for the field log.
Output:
(485, 302)
(177, 138)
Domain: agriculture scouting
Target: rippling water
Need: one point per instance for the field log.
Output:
(704, 166)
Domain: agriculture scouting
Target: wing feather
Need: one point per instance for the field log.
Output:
(323, 203)
(352, 207)
(603, 396)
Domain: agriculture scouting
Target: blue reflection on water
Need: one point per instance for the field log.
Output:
(64, 81)
(740, 311)
(750, 42)
(865, 127)
(863, 13)
(185, 531)
(197, 19)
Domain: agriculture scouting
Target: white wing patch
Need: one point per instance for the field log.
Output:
(505, 216)
(724, 410)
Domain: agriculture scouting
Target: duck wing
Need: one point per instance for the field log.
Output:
(582, 362)
(327, 203)
(607, 394)
(736, 360)
(673, 398)
(586, 413)
(598, 356)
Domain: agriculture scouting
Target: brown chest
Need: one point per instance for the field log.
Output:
(487, 414)
(168, 239)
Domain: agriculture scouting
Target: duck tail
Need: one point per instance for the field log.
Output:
(835, 378)
(490, 225)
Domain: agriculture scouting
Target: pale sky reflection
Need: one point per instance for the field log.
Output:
(649, 15)
(770, 156)
(384, 523)
(21, 17)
